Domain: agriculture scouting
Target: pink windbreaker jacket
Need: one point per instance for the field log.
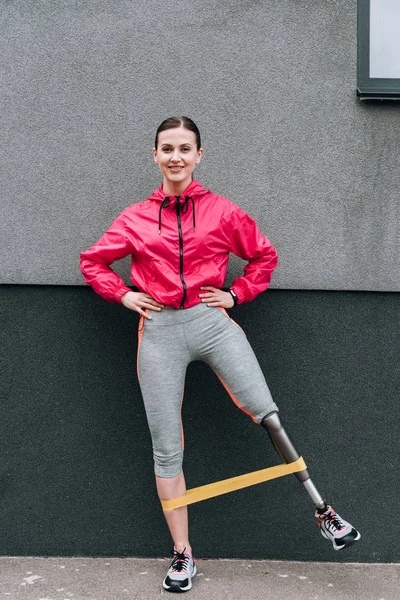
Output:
(178, 244)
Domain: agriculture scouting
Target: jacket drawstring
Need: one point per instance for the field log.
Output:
(166, 202)
(185, 207)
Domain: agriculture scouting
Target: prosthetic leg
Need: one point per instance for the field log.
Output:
(332, 527)
(287, 451)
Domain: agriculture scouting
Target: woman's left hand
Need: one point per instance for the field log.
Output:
(215, 297)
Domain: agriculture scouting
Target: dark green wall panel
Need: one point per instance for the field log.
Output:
(76, 473)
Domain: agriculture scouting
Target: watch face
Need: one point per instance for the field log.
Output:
(235, 298)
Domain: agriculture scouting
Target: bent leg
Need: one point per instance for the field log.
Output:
(231, 357)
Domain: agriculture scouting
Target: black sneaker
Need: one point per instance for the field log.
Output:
(336, 529)
(180, 573)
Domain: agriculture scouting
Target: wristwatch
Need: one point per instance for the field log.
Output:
(235, 298)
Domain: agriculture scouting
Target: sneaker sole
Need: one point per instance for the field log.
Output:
(176, 588)
(347, 543)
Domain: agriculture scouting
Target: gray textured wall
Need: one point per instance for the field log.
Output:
(272, 87)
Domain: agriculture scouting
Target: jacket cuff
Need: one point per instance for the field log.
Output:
(121, 292)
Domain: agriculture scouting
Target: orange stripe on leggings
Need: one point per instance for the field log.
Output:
(140, 336)
(183, 435)
(236, 401)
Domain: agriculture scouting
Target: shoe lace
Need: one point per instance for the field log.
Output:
(334, 521)
(180, 562)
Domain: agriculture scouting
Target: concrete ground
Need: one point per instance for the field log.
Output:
(140, 579)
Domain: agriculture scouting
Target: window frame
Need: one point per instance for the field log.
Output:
(370, 88)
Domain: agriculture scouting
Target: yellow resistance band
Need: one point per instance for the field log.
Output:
(234, 483)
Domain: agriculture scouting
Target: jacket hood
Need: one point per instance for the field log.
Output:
(194, 189)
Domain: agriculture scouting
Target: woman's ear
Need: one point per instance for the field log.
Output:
(199, 155)
(154, 151)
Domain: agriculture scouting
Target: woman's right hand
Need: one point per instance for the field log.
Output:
(138, 301)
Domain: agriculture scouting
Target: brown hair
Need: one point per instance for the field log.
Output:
(185, 122)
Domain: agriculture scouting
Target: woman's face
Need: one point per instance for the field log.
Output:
(177, 155)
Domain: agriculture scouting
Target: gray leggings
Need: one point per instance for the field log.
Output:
(167, 344)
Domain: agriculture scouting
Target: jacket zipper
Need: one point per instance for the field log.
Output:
(178, 216)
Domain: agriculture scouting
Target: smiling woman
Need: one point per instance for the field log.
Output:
(180, 239)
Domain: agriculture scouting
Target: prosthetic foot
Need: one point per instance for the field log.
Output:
(331, 525)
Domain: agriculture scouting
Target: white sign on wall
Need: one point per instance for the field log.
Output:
(384, 60)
